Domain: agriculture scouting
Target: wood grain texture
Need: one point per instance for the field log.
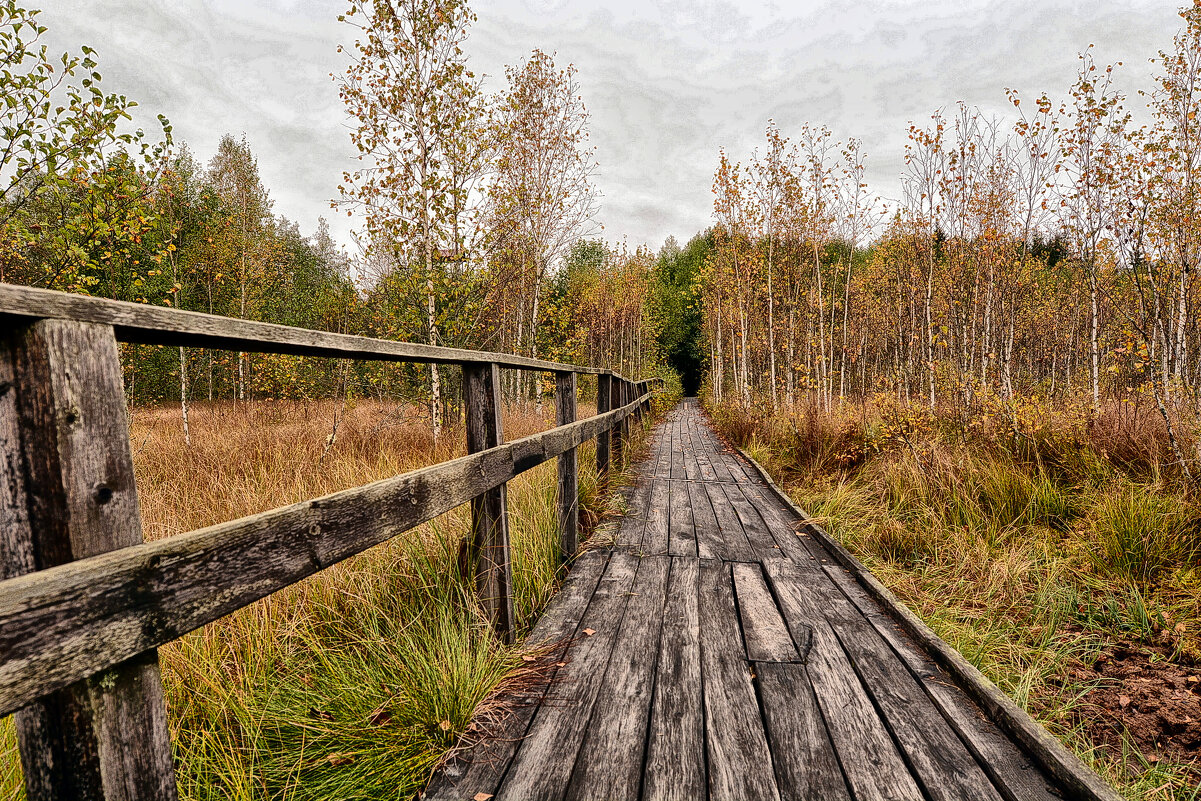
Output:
(807, 768)
(489, 509)
(738, 756)
(763, 628)
(156, 325)
(67, 622)
(1070, 775)
(681, 537)
(675, 757)
(482, 766)
(104, 737)
(604, 397)
(658, 510)
(1012, 770)
(874, 768)
(618, 727)
(544, 762)
(568, 474)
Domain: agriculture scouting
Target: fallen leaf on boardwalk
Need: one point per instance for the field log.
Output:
(379, 717)
(481, 797)
(1123, 701)
(527, 658)
(340, 759)
(444, 725)
(590, 632)
(560, 664)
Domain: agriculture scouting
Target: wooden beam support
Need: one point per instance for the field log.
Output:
(69, 494)
(489, 513)
(569, 486)
(604, 396)
(617, 437)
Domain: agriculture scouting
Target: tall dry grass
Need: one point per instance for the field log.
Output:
(354, 683)
(1030, 539)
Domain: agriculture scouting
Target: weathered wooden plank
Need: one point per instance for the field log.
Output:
(610, 762)
(480, 769)
(1071, 775)
(489, 510)
(709, 542)
(807, 768)
(763, 628)
(604, 397)
(617, 437)
(938, 758)
(761, 540)
(1011, 769)
(738, 757)
(654, 540)
(569, 484)
(546, 757)
(873, 767)
(681, 537)
(104, 737)
(156, 325)
(65, 623)
(737, 546)
(675, 757)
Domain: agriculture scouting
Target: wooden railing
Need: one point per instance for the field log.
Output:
(85, 603)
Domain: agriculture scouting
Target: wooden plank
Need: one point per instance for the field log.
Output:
(481, 768)
(807, 768)
(763, 628)
(654, 541)
(546, 757)
(105, 737)
(67, 622)
(938, 758)
(568, 474)
(1070, 774)
(709, 542)
(489, 510)
(156, 325)
(739, 760)
(610, 762)
(757, 533)
(873, 766)
(681, 537)
(603, 404)
(617, 437)
(737, 546)
(675, 757)
(1011, 769)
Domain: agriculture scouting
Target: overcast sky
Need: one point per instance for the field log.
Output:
(667, 82)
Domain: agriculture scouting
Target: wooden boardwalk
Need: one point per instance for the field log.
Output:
(721, 651)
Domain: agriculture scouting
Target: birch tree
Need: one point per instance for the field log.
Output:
(415, 106)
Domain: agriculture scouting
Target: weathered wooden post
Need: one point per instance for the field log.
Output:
(617, 440)
(68, 493)
(489, 511)
(569, 487)
(603, 397)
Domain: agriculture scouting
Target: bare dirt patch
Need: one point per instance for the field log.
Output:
(1141, 694)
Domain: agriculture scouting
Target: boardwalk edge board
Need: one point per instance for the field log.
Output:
(1051, 755)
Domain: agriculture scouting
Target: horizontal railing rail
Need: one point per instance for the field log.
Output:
(85, 603)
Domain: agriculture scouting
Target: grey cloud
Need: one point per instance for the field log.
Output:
(667, 82)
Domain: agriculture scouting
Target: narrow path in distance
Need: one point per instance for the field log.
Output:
(720, 651)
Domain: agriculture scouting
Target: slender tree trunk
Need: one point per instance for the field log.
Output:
(183, 394)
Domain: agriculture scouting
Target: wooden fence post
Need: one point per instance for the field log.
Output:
(617, 439)
(68, 493)
(603, 398)
(569, 487)
(489, 511)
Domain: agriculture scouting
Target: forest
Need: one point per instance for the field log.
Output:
(989, 388)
